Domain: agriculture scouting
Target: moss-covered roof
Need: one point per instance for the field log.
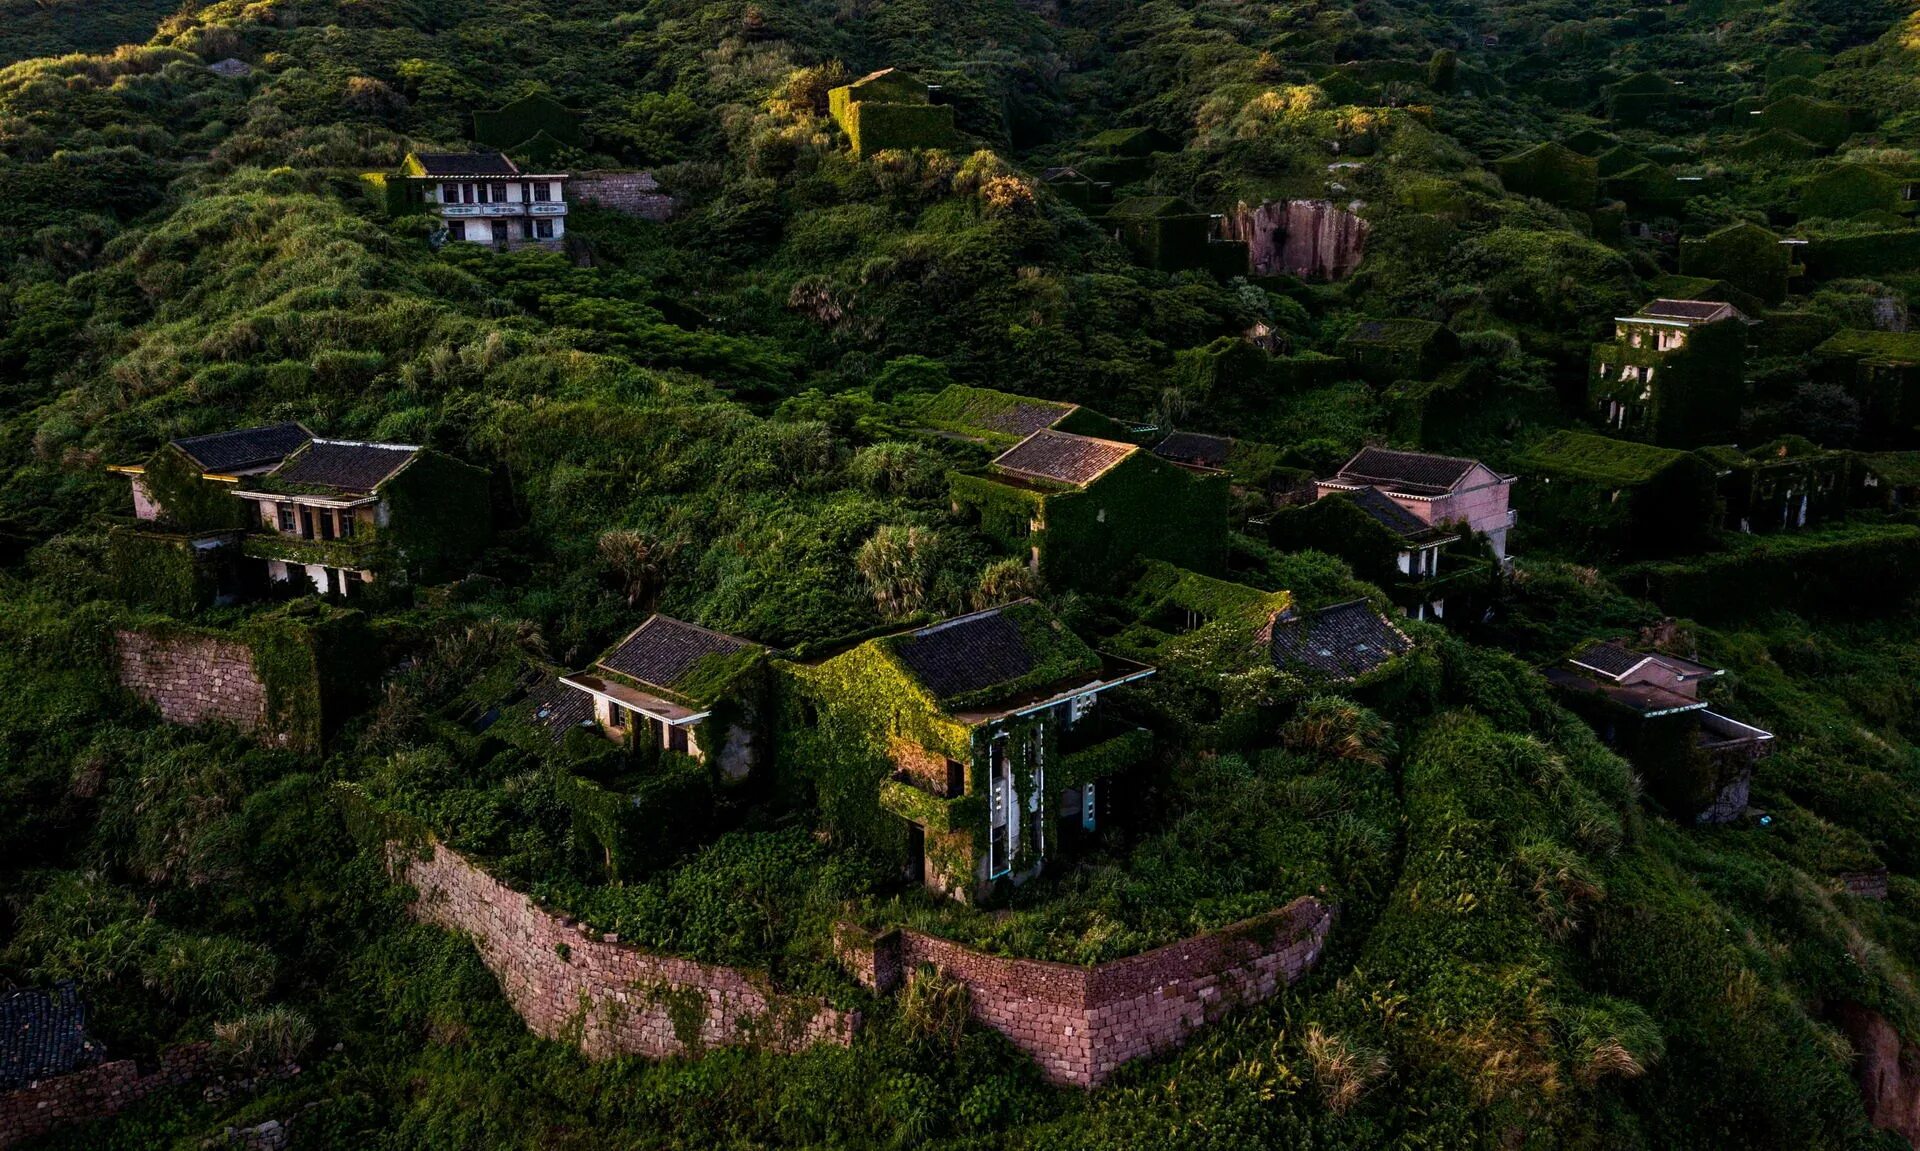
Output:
(989, 414)
(990, 656)
(1583, 455)
(1143, 207)
(1891, 347)
(1397, 333)
(1901, 469)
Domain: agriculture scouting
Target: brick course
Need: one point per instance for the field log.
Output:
(1082, 1023)
(611, 998)
(95, 1093)
(193, 678)
(631, 193)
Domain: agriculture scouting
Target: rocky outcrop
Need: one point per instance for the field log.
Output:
(1311, 239)
(1886, 1068)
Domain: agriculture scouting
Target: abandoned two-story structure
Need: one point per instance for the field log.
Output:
(340, 514)
(974, 751)
(1648, 706)
(1078, 508)
(1386, 545)
(481, 198)
(1436, 490)
(1340, 643)
(681, 687)
(1674, 374)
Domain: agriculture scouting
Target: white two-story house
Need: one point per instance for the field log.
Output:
(484, 198)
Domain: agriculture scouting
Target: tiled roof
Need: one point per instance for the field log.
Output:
(662, 651)
(244, 448)
(42, 1034)
(345, 466)
(465, 164)
(967, 654)
(1342, 642)
(1414, 469)
(557, 708)
(1195, 448)
(1391, 516)
(1610, 659)
(1023, 419)
(1694, 310)
(1063, 457)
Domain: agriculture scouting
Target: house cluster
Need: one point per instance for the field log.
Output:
(279, 503)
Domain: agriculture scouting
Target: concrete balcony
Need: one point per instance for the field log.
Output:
(499, 211)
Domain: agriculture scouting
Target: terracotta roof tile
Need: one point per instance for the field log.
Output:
(1063, 457)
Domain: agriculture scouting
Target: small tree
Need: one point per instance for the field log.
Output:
(636, 563)
(898, 564)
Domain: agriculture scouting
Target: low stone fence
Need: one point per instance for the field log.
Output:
(1866, 884)
(571, 984)
(193, 678)
(630, 193)
(97, 1092)
(1082, 1023)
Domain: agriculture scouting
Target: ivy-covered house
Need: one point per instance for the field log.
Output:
(535, 125)
(1387, 350)
(479, 198)
(1889, 481)
(1881, 371)
(1745, 255)
(1253, 469)
(1169, 234)
(1436, 490)
(1551, 172)
(1849, 189)
(182, 551)
(890, 109)
(1078, 188)
(341, 514)
(1648, 706)
(1787, 485)
(1601, 498)
(1080, 509)
(684, 688)
(973, 751)
(1674, 374)
(1387, 546)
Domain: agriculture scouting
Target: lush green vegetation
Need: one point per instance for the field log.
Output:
(751, 416)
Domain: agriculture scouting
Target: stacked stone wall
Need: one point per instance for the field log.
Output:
(569, 983)
(1082, 1023)
(194, 678)
(631, 193)
(95, 1093)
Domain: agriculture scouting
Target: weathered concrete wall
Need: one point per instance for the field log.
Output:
(634, 193)
(613, 998)
(95, 1093)
(1082, 1023)
(193, 678)
(1311, 239)
(1886, 1068)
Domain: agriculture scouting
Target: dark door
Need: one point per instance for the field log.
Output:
(916, 853)
(500, 232)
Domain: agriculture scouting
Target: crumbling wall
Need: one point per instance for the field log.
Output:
(1311, 239)
(571, 984)
(193, 678)
(94, 1093)
(1082, 1023)
(631, 193)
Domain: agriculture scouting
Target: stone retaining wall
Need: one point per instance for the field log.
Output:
(95, 1093)
(612, 998)
(632, 193)
(1082, 1023)
(193, 678)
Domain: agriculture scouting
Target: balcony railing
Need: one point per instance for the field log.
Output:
(353, 554)
(491, 211)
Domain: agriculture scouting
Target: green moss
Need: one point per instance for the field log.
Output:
(989, 415)
(1551, 172)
